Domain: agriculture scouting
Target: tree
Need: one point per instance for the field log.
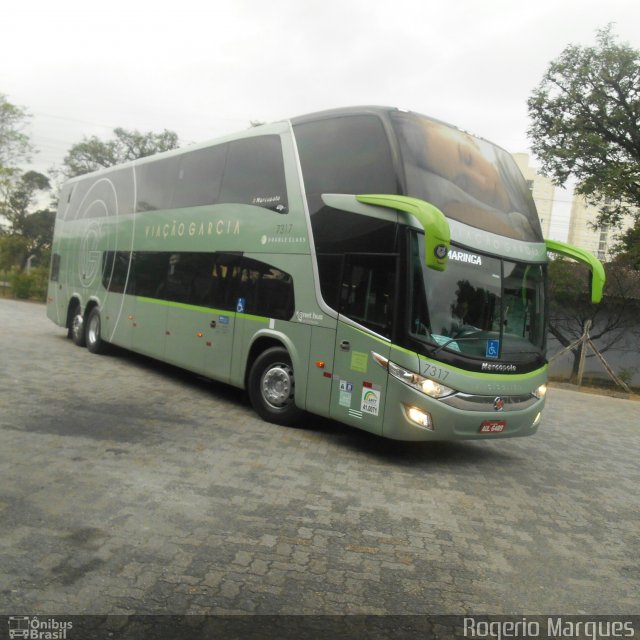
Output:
(21, 196)
(92, 153)
(628, 248)
(585, 116)
(15, 147)
(27, 233)
(571, 309)
(21, 235)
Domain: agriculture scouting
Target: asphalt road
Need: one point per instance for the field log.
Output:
(127, 486)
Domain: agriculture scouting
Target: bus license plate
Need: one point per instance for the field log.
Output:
(493, 426)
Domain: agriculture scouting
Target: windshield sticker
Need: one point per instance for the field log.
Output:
(493, 347)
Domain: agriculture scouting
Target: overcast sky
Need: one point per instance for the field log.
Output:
(204, 69)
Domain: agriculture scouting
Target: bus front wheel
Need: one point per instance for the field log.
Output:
(271, 387)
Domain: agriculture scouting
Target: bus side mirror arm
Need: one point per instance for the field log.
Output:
(597, 270)
(437, 235)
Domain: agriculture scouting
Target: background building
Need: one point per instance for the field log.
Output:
(541, 188)
(600, 242)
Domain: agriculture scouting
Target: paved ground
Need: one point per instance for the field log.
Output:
(130, 487)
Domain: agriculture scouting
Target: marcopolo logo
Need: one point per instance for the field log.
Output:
(38, 628)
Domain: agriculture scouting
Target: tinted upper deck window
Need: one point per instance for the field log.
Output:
(156, 183)
(254, 174)
(199, 177)
(347, 154)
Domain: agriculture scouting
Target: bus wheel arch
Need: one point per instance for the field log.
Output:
(271, 382)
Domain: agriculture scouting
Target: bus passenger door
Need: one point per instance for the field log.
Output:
(219, 344)
(219, 292)
(359, 385)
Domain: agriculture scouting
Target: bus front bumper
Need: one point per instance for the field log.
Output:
(411, 415)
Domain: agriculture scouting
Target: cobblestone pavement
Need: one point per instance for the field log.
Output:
(127, 486)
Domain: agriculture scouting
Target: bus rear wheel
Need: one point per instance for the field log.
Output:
(93, 336)
(76, 326)
(271, 387)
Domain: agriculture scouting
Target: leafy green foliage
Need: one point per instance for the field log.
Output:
(14, 143)
(585, 116)
(27, 233)
(628, 248)
(92, 153)
(14, 148)
(30, 285)
(13, 250)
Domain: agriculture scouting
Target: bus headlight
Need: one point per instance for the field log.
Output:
(435, 389)
(425, 385)
(540, 392)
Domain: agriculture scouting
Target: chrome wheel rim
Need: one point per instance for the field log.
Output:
(93, 332)
(277, 385)
(76, 325)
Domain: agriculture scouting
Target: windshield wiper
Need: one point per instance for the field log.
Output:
(440, 347)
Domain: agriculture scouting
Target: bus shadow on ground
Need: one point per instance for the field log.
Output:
(408, 453)
(396, 452)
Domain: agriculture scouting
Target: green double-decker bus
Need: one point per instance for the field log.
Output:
(370, 265)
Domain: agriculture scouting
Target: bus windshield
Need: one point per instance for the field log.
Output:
(481, 306)
(467, 178)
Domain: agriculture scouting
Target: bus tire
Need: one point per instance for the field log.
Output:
(271, 387)
(93, 335)
(76, 326)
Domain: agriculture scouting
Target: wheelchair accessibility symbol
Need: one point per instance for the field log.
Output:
(493, 346)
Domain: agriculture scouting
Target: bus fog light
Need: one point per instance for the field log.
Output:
(540, 392)
(419, 417)
(536, 422)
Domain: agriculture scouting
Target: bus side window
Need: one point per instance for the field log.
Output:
(55, 267)
(200, 177)
(224, 281)
(254, 174)
(346, 154)
(367, 291)
(157, 181)
(267, 290)
(115, 266)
